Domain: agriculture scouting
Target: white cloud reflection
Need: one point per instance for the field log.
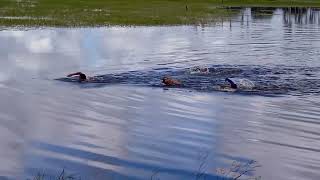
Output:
(40, 45)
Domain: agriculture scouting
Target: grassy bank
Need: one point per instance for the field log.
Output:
(126, 12)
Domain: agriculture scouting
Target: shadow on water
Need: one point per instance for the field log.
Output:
(263, 80)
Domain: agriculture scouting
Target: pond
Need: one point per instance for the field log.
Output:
(129, 126)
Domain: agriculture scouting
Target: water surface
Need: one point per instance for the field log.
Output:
(135, 128)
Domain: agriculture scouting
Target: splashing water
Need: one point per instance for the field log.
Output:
(250, 79)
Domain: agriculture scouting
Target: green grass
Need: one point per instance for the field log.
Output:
(69, 13)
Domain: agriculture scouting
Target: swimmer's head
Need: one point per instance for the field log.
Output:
(232, 84)
(82, 77)
(204, 70)
(164, 79)
(198, 69)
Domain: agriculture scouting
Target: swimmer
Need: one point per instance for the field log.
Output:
(201, 70)
(82, 77)
(168, 81)
(232, 84)
(240, 84)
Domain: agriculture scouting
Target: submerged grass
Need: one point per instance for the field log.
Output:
(126, 12)
(236, 171)
(62, 176)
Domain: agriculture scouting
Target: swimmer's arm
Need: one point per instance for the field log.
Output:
(74, 74)
(232, 84)
(177, 82)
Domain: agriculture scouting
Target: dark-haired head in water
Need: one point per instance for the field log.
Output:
(82, 76)
(168, 81)
(232, 84)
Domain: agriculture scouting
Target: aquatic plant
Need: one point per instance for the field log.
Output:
(62, 176)
(238, 170)
(235, 172)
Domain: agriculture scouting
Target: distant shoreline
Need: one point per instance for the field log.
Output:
(93, 13)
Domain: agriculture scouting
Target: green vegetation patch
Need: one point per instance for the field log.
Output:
(69, 13)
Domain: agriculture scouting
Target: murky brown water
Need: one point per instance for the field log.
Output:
(136, 128)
